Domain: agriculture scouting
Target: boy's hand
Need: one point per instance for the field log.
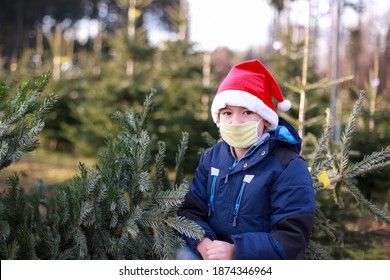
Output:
(202, 247)
(215, 250)
(220, 250)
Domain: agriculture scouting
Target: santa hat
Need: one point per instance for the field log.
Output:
(251, 85)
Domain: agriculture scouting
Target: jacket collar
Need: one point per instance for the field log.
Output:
(284, 134)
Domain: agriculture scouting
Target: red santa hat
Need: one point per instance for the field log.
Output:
(251, 85)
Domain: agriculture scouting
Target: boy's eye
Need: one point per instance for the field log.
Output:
(226, 113)
(248, 113)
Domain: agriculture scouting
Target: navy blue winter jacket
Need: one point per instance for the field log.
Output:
(263, 203)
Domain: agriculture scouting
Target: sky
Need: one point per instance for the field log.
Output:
(240, 25)
(235, 24)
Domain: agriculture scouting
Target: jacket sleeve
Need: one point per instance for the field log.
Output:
(195, 205)
(292, 215)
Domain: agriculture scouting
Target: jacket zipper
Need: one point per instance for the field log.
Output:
(214, 174)
(236, 162)
(247, 180)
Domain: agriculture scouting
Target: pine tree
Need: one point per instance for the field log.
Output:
(332, 171)
(22, 119)
(21, 122)
(123, 208)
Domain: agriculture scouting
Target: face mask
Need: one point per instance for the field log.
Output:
(239, 136)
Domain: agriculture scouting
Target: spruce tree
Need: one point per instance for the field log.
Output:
(21, 122)
(21, 118)
(122, 208)
(332, 171)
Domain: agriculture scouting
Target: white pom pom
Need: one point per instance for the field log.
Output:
(284, 106)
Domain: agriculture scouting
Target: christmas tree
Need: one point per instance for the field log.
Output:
(123, 208)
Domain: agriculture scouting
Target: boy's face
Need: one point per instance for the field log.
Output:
(235, 115)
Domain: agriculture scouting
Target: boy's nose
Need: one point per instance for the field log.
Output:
(236, 120)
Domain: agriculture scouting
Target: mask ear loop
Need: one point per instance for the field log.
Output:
(257, 128)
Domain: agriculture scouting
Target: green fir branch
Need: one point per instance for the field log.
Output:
(147, 108)
(10, 251)
(366, 205)
(161, 179)
(180, 156)
(372, 162)
(21, 119)
(81, 244)
(186, 227)
(144, 181)
(86, 215)
(210, 140)
(323, 143)
(170, 198)
(337, 194)
(162, 241)
(348, 132)
(322, 223)
(3, 97)
(314, 251)
(131, 223)
(152, 218)
(47, 105)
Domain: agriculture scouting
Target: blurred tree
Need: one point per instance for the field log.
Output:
(179, 85)
(19, 20)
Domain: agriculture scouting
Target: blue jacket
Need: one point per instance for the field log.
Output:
(263, 203)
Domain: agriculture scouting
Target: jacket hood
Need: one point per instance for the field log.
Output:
(286, 135)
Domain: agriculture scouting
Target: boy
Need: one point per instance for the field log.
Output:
(251, 193)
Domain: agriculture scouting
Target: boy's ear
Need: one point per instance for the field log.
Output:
(217, 120)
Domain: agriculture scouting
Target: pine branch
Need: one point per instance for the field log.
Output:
(186, 227)
(152, 218)
(181, 224)
(323, 143)
(210, 140)
(86, 215)
(161, 179)
(147, 108)
(347, 135)
(131, 224)
(140, 153)
(170, 198)
(365, 204)
(375, 161)
(180, 155)
(47, 106)
(315, 251)
(337, 195)
(322, 223)
(10, 251)
(3, 96)
(21, 119)
(325, 83)
(164, 242)
(81, 244)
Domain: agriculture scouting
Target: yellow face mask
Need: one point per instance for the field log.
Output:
(239, 136)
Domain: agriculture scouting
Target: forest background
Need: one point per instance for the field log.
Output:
(115, 64)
